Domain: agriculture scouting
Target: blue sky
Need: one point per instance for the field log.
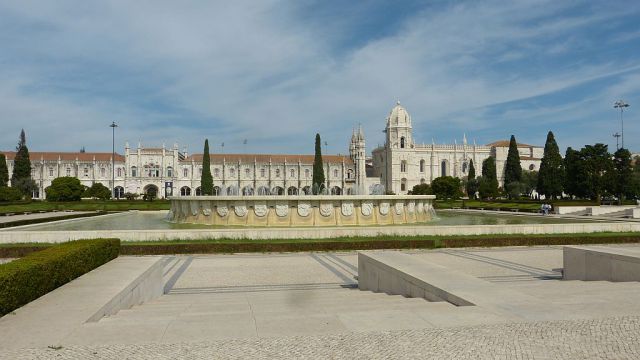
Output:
(277, 72)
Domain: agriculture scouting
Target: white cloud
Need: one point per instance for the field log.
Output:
(259, 70)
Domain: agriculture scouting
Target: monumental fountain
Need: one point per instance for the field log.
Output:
(301, 210)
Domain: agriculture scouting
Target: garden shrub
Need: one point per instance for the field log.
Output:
(10, 194)
(66, 188)
(28, 278)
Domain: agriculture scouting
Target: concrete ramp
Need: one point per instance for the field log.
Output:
(396, 273)
(116, 285)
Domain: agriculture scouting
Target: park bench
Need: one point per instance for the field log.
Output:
(515, 210)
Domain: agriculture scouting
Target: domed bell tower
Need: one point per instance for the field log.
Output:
(398, 129)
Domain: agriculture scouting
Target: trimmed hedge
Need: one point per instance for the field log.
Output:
(211, 248)
(537, 241)
(38, 273)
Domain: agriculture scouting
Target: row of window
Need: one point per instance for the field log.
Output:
(154, 171)
(85, 172)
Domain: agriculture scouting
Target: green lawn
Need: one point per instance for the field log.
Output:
(86, 205)
(522, 205)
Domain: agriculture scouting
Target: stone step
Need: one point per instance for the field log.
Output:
(134, 317)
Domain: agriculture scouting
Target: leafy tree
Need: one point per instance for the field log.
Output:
(552, 170)
(22, 167)
(598, 165)
(512, 168)
(206, 181)
(575, 181)
(421, 189)
(446, 187)
(514, 189)
(622, 176)
(529, 181)
(318, 169)
(99, 191)
(4, 171)
(66, 188)
(150, 195)
(488, 185)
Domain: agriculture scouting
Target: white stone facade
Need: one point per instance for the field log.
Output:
(402, 162)
(143, 168)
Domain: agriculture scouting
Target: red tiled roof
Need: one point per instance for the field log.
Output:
(505, 143)
(276, 158)
(66, 156)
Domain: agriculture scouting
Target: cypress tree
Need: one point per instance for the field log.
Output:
(551, 176)
(575, 183)
(4, 172)
(21, 177)
(318, 169)
(206, 181)
(489, 181)
(472, 182)
(622, 176)
(512, 169)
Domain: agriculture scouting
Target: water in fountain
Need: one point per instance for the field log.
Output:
(232, 191)
(376, 189)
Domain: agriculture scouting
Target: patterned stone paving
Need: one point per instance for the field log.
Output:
(608, 338)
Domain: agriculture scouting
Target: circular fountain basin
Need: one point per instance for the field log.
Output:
(302, 210)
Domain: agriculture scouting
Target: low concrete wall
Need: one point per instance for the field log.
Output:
(608, 209)
(593, 263)
(564, 210)
(7, 237)
(146, 287)
(302, 210)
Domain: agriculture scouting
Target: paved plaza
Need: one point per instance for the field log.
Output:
(307, 305)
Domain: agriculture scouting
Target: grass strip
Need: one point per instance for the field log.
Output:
(48, 219)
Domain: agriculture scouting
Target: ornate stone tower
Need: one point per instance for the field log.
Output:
(399, 150)
(358, 151)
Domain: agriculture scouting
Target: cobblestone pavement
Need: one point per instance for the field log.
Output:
(609, 338)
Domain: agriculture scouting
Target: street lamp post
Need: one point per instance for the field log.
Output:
(113, 127)
(620, 104)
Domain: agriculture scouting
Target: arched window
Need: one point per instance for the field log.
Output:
(232, 172)
(86, 172)
(402, 142)
(185, 172)
(216, 172)
(198, 191)
(247, 172)
(444, 168)
(403, 166)
(349, 174)
(421, 165)
(119, 172)
(277, 173)
(464, 167)
(118, 192)
(134, 171)
(51, 171)
(103, 172)
(262, 172)
(292, 191)
(403, 185)
(169, 171)
(185, 191)
(335, 173)
(293, 174)
(306, 173)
